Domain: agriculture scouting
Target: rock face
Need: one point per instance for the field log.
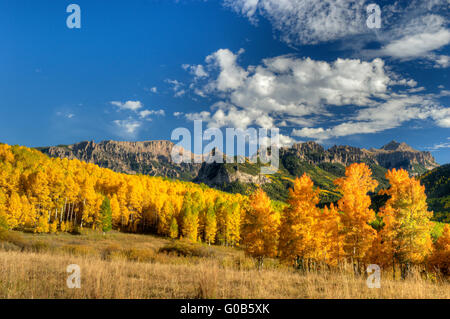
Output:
(220, 174)
(150, 158)
(392, 155)
(154, 158)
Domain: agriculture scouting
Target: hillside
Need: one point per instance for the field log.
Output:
(323, 166)
(147, 158)
(437, 188)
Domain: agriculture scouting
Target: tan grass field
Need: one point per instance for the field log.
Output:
(134, 266)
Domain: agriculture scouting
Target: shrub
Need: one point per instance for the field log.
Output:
(139, 255)
(13, 238)
(110, 251)
(186, 250)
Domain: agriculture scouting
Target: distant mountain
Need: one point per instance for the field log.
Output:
(148, 158)
(323, 166)
(437, 188)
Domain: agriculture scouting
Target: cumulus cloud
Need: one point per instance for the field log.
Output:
(286, 91)
(289, 88)
(128, 105)
(231, 75)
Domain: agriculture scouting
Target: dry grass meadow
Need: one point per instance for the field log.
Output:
(121, 265)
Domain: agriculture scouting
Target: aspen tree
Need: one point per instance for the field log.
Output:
(356, 215)
(260, 232)
(298, 232)
(406, 234)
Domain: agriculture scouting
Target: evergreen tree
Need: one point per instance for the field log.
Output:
(106, 215)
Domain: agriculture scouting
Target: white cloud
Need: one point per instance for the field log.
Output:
(177, 87)
(65, 114)
(128, 105)
(197, 70)
(409, 29)
(231, 75)
(289, 88)
(147, 113)
(307, 21)
(128, 127)
(439, 146)
(387, 115)
(442, 61)
(351, 95)
(416, 38)
(153, 89)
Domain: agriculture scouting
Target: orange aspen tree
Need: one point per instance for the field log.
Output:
(299, 237)
(260, 231)
(332, 242)
(356, 215)
(440, 259)
(406, 234)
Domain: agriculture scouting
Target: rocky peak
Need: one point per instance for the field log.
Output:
(148, 157)
(308, 147)
(395, 146)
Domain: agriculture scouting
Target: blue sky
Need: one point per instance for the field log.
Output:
(137, 69)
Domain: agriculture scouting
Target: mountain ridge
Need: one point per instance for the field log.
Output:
(323, 165)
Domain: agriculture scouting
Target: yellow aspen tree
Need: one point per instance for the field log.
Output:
(220, 208)
(210, 226)
(407, 229)
(5, 153)
(42, 224)
(190, 224)
(356, 215)
(165, 219)
(13, 210)
(260, 231)
(298, 231)
(115, 208)
(234, 225)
